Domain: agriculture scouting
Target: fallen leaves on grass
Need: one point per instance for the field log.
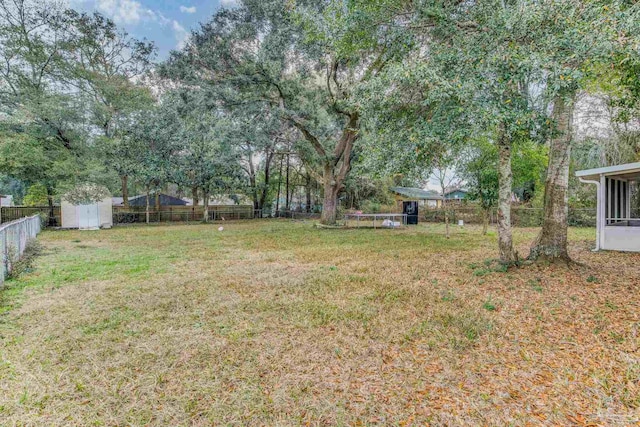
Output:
(278, 323)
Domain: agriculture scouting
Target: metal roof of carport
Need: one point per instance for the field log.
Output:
(630, 169)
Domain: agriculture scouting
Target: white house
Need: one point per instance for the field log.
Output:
(618, 222)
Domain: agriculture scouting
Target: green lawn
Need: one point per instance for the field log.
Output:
(278, 323)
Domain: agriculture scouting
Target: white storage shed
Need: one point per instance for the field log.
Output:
(87, 207)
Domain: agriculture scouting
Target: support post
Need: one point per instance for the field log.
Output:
(628, 200)
(599, 208)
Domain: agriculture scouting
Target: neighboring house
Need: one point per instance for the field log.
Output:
(456, 194)
(426, 198)
(213, 201)
(141, 201)
(6, 200)
(165, 200)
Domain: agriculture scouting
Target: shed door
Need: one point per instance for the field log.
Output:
(88, 216)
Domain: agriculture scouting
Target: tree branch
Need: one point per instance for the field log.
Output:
(309, 137)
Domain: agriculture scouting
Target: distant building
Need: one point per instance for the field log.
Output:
(426, 198)
(6, 200)
(456, 194)
(141, 200)
(215, 200)
(165, 200)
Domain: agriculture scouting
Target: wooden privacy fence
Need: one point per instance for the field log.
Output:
(14, 237)
(137, 214)
(520, 217)
(122, 215)
(11, 213)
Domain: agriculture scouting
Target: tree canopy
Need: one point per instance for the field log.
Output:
(336, 96)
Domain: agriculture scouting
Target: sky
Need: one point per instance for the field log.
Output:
(165, 22)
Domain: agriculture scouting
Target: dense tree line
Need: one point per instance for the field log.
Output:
(336, 95)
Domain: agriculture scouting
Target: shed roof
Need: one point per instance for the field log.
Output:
(416, 193)
(629, 170)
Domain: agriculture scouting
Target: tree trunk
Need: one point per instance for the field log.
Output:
(337, 164)
(332, 186)
(147, 205)
(254, 192)
(125, 191)
(253, 183)
(279, 185)
(505, 182)
(446, 218)
(267, 178)
(52, 215)
(551, 243)
(194, 195)
(330, 204)
(288, 197)
(157, 202)
(205, 217)
(308, 192)
(485, 221)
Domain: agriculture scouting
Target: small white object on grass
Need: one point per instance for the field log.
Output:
(220, 228)
(461, 223)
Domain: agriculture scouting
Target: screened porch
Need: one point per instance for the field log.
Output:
(621, 201)
(618, 214)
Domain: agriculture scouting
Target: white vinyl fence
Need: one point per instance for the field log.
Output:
(14, 236)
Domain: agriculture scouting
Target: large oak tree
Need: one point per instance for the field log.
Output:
(290, 58)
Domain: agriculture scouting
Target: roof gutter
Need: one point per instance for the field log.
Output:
(611, 170)
(598, 219)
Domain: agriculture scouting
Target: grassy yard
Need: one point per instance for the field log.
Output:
(277, 323)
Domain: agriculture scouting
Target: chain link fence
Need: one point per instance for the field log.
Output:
(14, 237)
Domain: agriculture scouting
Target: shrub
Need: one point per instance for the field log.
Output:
(24, 263)
(36, 196)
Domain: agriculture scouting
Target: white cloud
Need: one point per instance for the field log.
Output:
(163, 20)
(133, 12)
(228, 3)
(180, 33)
(185, 9)
(126, 11)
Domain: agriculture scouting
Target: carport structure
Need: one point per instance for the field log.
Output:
(618, 220)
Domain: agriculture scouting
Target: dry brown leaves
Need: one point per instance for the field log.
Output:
(277, 323)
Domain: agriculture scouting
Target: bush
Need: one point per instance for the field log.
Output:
(370, 206)
(36, 196)
(24, 263)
